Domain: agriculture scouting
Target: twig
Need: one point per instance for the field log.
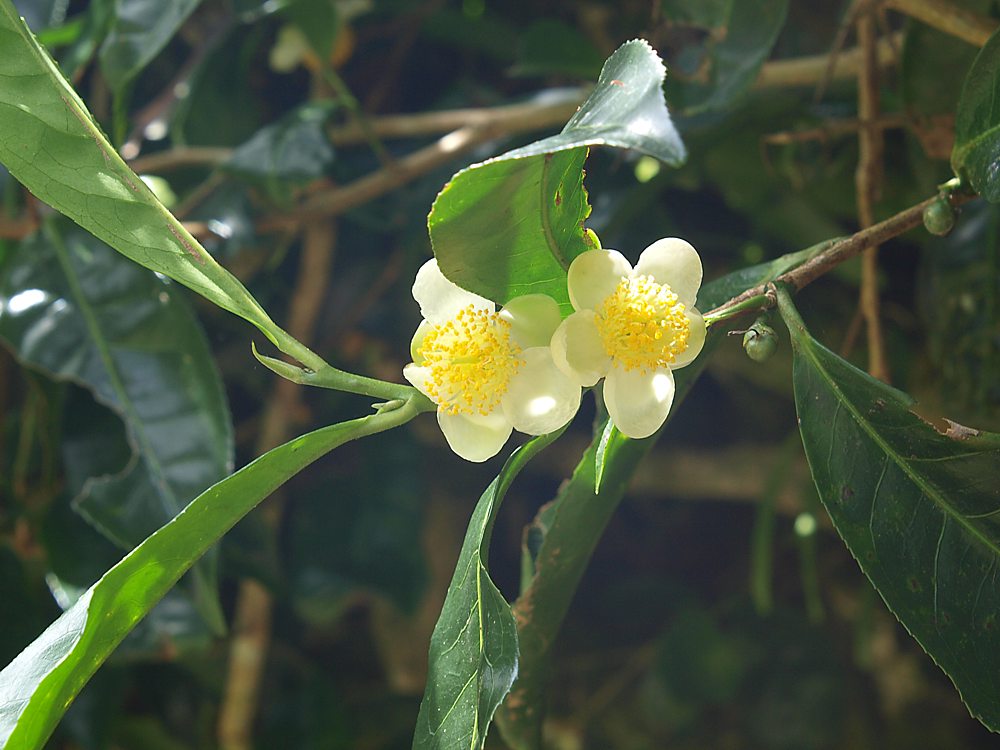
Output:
(867, 180)
(949, 17)
(180, 157)
(341, 199)
(841, 251)
(833, 129)
(549, 111)
(806, 71)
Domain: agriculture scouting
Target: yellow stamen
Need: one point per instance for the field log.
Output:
(642, 325)
(471, 359)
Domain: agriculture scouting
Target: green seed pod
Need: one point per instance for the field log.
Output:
(760, 341)
(939, 217)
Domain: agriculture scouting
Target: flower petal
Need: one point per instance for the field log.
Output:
(696, 340)
(540, 398)
(533, 319)
(439, 298)
(474, 438)
(418, 339)
(638, 402)
(593, 275)
(674, 262)
(418, 377)
(578, 351)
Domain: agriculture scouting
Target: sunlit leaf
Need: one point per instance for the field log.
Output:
(917, 508)
(41, 682)
(473, 651)
(51, 144)
(512, 225)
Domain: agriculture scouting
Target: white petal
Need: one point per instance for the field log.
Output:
(474, 438)
(638, 403)
(696, 340)
(593, 275)
(578, 351)
(418, 377)
(418, 339)
(533, 319)
(439, 298)
(674, 262)
(540, 398)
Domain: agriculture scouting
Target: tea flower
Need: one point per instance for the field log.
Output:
(633, 327)
(488, 372)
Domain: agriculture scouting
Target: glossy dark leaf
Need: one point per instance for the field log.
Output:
(976, 155)
(73, 308)
(295, 148)
(918, 509)
(740, 39)
(140, 29)
(42, 681)
(512, 225)
(473, 651)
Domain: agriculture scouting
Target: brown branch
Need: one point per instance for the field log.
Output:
(180, 157)
(511, 118)
(371, 186)
(840, 251)
(867, 180)
(807, 71)
(834, 129)
(948, 17)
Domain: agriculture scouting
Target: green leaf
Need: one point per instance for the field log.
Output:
(473, 652)
(512, 225)
(734, 52)
(917, 508)
(52, 145)
(319, 22)
(295, 148)
(141, 28)
(550, 46)
(976, 154)
(73, 308)
(41, 682)
(562, 539)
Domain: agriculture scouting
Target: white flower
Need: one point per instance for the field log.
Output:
(632, 326)
(487, 371)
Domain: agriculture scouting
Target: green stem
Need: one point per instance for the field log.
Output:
(752, 304)
(322, 375)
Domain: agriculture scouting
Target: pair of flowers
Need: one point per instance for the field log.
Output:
(523, 367)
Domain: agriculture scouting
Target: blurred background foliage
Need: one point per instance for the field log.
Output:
(719, 611)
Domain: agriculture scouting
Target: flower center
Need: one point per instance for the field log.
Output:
(642, 325)
(471, 359)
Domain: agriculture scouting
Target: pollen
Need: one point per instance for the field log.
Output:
(642, 325)
(471, 360)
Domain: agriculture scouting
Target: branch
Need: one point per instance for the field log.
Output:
(836, 254)
(948, 17)
(806, 71)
